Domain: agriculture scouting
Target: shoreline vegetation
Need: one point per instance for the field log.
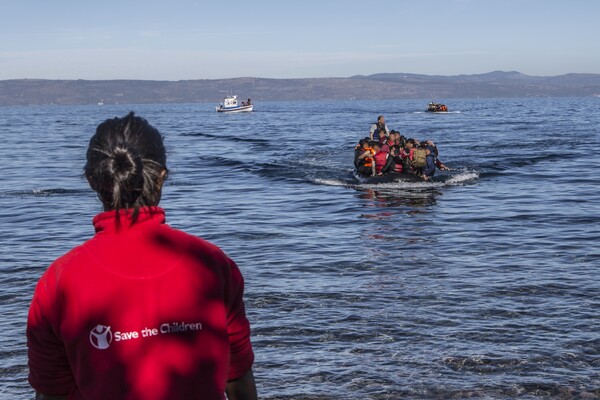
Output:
(384, 86)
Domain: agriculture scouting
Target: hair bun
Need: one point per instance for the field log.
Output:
(125, 165)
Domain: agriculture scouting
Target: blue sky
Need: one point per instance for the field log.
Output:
(174, 40)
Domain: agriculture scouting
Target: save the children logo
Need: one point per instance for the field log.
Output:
(101, 336)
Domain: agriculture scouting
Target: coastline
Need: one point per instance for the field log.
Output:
(372, 87)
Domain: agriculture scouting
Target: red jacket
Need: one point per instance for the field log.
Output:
(139, 311)
(387, 146)
(404, 154)
(380, 161)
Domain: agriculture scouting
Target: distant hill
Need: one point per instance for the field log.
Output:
(377, 86)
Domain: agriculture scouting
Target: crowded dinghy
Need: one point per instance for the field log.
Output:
(436, 107)
(387, 156)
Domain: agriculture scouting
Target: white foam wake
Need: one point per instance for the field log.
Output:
(331, 182)
(463, 177)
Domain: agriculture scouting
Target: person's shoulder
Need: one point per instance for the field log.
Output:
(62, 266)
(210, 248)
(198, 246)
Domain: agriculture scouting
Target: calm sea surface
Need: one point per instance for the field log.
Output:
(485, 284)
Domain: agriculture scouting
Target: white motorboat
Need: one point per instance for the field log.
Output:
(230, 104)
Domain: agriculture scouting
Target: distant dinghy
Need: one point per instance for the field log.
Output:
(436, 108)
(230, 104)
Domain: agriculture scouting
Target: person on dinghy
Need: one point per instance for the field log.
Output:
(359, 150)
(378, 126)
(399, 142)
(364, 162)
(388, 142)
(381, 137)
(383, 161)
(430, 164)
(398, 165)
(392, 138)
(407, 155)
(440, 165)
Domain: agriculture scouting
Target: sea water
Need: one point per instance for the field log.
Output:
(484, 284)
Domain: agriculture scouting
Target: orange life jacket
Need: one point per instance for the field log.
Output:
(369, 160)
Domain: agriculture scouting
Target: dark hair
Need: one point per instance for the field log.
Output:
(126, 158)
(379, 117)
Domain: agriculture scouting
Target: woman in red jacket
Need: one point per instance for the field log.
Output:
(141, 310)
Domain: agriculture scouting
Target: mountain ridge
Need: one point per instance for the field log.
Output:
(368, 87)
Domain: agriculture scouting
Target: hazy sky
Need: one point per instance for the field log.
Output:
(188, 39)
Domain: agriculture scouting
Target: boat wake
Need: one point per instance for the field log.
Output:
(463, 177)
(331, 182)
(44, 192)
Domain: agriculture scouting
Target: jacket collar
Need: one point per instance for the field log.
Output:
(111, 222)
